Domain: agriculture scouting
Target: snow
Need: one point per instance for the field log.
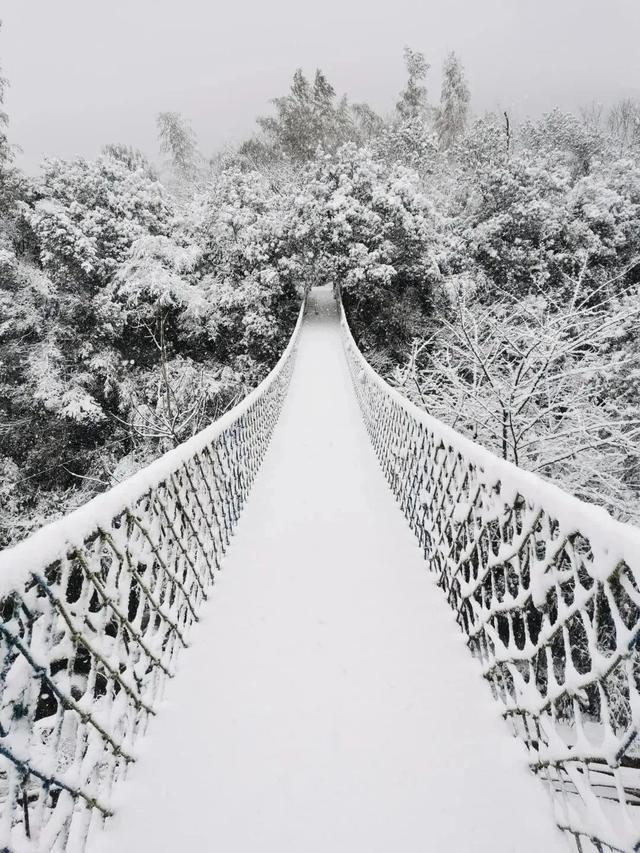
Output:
(328, 701)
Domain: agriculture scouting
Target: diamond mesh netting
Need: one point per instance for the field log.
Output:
(95, 608)
(547, 592)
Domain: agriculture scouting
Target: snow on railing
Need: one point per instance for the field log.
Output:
(94, 608)
(547, 591)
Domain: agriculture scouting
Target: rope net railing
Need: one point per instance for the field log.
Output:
(547, 591)
(93, 611)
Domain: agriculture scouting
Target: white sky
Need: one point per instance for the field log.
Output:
(87, 72)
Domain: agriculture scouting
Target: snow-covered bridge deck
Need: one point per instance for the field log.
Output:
(328, 701)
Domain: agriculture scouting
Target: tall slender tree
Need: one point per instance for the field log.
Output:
(178, 140)
(413, 99)
(5, 149)
(453, 113)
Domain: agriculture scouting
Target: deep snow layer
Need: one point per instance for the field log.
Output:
(328, 703)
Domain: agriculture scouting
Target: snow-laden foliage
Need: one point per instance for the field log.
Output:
(115, 285)
(529, 379)
(528, 223)
(307, 117)
(310, 117)
(5, 148)
(538, 246)
(452, 114)
(61, 370)
(250, 270)
(370, 228)
(89, 214)
(410, 142)
(413, 99)
(129, 320)
(624, 126)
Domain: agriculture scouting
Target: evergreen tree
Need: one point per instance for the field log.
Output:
(453, 112)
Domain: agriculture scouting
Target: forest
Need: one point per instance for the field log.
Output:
(490, 271)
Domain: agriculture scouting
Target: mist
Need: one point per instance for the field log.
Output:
(84, 74)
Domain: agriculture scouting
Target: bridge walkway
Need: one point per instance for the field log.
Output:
(328, 703)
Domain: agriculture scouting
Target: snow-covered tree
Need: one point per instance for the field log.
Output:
(370, 230)
(624, 125)
(13, 184)
(528, 222)
(133, 158)
(61, 368)
(89, 214)
(453, 112)
(524, 377)
(368, 124)
(178, 142)
(252, 268)
(5, 148)
(155, 279)
(307, 117)
(118, 340)
(410, 143)
(557, 134)
(413, 99)
(58, 377)
(482, 146)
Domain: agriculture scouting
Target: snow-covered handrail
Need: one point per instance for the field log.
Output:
(94, 608)
(547, 591)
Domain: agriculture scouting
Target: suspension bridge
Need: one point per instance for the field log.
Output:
(403, 628)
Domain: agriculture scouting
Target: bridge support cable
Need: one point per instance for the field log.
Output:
(547, 591)
(94, 609)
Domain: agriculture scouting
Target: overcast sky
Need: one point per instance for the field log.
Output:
(86, 72)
